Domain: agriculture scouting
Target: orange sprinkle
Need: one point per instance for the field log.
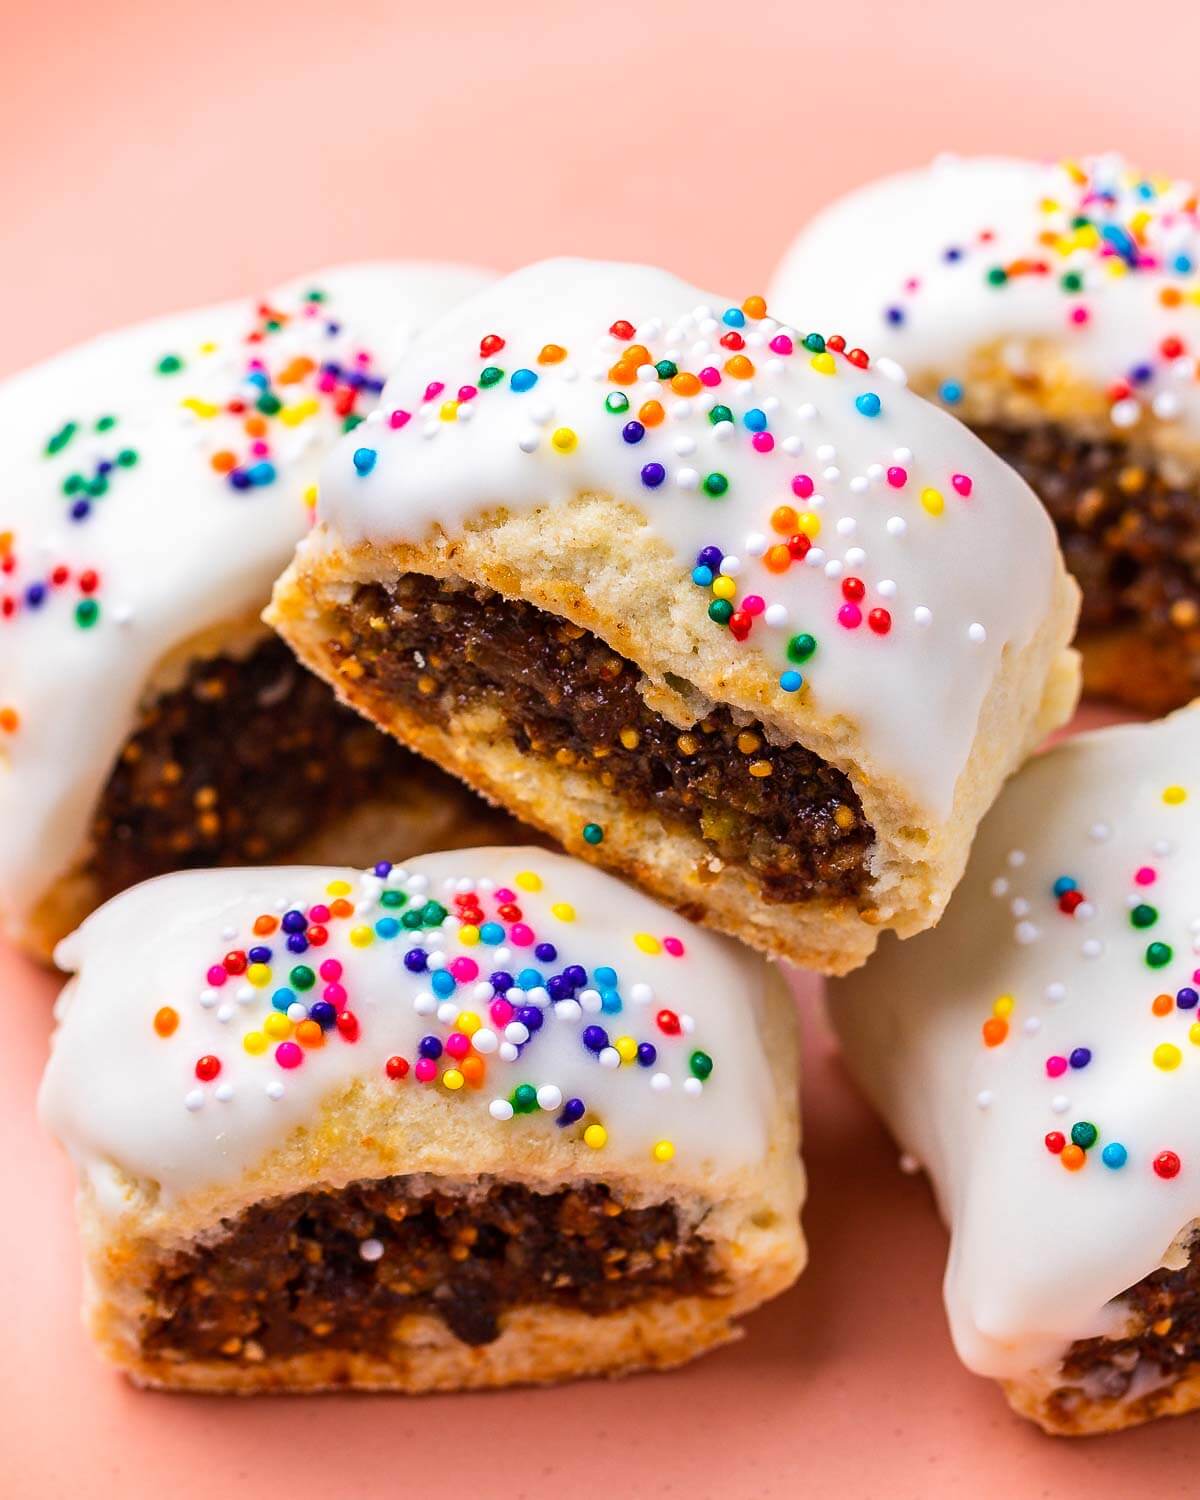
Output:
(1072, 1157)
(651, 413)
(265, 925)
(624, 372)
(341, 907)
(552, 354)
(637, 354)
(255, 426)
(224, 461)
(995, 1031)
(296, 369)
(1170, 296)
(1162, 1005)
(739, 367)
(473, 1070)
(777, 559)
(10, 720)
(685, 383)
(755, 307)
(309, 1034)
(166, 1019)
(784, 520)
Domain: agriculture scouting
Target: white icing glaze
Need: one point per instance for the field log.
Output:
(118, 1095)
(1039, 1251)
(883, 250)
(962, 586)
(176, 548)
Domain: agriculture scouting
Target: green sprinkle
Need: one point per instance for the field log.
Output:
(272, 325)
(1143, 916)
(814, 343)
(97, 486)
(87, 612)
(433, 914)
(105, 424)
(393, 899)
(721, 611)
(169, 364)
(268, 403)
(801, 647)
(715, 484)
(701, 1065)
(316, 295)
(127, 457)
(493, 375)
(1072, 282)
(593, 833)
(720, 414)
(351, 422)
(524, 1099)
(411, 920)
(666, 368)
(997, 276)
(302, 977)
(1084, 1134)
(61, 438)
(73, 483)
(1158, 955)
(617, 402)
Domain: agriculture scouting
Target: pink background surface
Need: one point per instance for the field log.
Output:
(156, 155)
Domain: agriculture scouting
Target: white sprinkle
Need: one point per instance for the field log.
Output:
(1060, 1104)
(1032, 1025)
(896, 526)
(723, 431)
(687, 479)
(855, 557)
(641, 994)
(528, 440)
(482, 992)
(875, 472)
(371, 1249)
(591, 1002)
(296, 1011)
(886, 588)
(890, 370)
(776, 614)
(847, 526)
(902, 456)
(424, 1004)
(660, 1082)
(834, 568)
(1019, 907)
(1016, 858)
(1099, 833)
(1026, 933)
(731, 566)
(122, 614)
(922, 616)
(608, 1057)
(208, 998)
(431, 429)
(685, 445)
(193, 1100)
(756, 544)
(693, 1088)
(806, 411)
(516, 1032)
(984, 1098)
(1085, 911)
(508, 1052)
(1056, 991)
(860, 484)
(1166, 405)
(500, 1109)
(485, 1041)
(539, 996)
(1125, 413)
(976, 633)
(549, 1096)
(792, 446)
(1092, 948)
(832, 473)
(274, 1089)
(815, 557)
(224, 1092)
(999, 886)
(908, 1164)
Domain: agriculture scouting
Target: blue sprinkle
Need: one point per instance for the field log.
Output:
(702, 576)
(653, 475)
(259, 955)
(522, 380)
(322, 1013)
(605, 976)
(364, 459)
(239, 479)
(1065, 883)
(258, 378)
(545, 953)
(894, 315)
(572, 1110)
(594, 1038)
(416, 960)
(529, 979)
(281, 999)
(869, 404)
(81, 510)
(952, 254)
(1183, 264)
(491, 933)
(791, 682)
(633, 432)
(35, 595)
(951, 392)
(610, 1002)
(1187, 997)
(1080, 1057)
(261, 473)
(734, 316)
(1114, 1155)
(647, 1054)
(710, 558)
(430, 1046)
(442, 983)
(297, 943)
(387, 927)
(755, 419)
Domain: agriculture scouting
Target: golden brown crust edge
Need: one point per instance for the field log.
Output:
(1093, 1418)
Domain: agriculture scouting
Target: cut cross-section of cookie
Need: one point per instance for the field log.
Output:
(1038, 1054)
(1055, 308)
(714, 602)
(488, 1118)
(156, 481)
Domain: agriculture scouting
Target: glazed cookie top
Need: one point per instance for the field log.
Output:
(156, 481)
(213, 1011)
(862, 544)
(1039, 1051)
(1098, 260)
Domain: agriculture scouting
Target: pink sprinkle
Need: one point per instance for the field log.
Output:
(673, 946)
(217, 975)
(288, 1055)
(425, 1070)
(458, 1045)
(912, 284)
(520, 935)
(504, 896)
(399, 417)
(802, 486)
(467, 392)
(1056, 1066)
(1146, 876)
(754, 604)
(781, 344)
(897, 477)
(330, 969)
(318, 913)
(335, 994)
(501, 1011)
(259, 448)
(326, 382)
(434, 389)
(763, 442)
(709, 376)
(850, 616)
(1079, 315)
(962, 484)
(464, 969)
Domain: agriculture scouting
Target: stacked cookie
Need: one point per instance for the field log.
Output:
(712, 600)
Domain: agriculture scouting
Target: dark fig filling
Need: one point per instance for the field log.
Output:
(339, 1270)
(1130, 538)
(443, 647)
(238, 765)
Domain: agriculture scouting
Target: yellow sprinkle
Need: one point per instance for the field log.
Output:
(564, 439)
(1167, 1056)
(823, 364)
(362, 937)
(338, 888)
(277, 1025)
(1117, 267)
(299, 411)
(205, 409)
(664, 1151)
(528, 881)
(453, 1079)
(310, 496)
(208, 347)
(647, 942)
(723, 588)
(468, 935)
(760, 768)
(933, 501)
(467, 1022)
(563, 910)
(449, 411)
(810, 524)
(627, 1047)
(1174, 795)
(1194, 1033)
(595, 1136)
(255, 1042)
(259, 975)
(1004, 1005)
